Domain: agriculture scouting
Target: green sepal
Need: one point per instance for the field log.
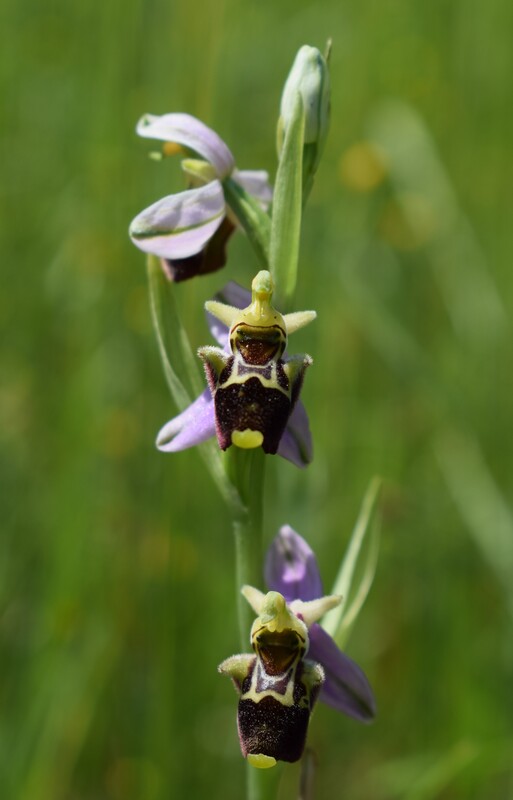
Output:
(360, 561)
(252, 217)
(286, 210)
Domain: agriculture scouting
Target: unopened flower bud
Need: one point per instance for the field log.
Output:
(310, 77)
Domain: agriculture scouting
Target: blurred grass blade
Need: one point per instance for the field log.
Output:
(429, 203)
(384, 331)
(252, 217)
(70, 683)
(480, 503)
(361, 554)
(286, 210)
(182, 373)
(423, 775)
(430, 784)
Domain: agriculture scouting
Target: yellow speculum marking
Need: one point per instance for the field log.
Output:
(247, 439)
(260, 761)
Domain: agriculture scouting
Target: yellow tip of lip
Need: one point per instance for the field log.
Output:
(247, 439)
(260, 761)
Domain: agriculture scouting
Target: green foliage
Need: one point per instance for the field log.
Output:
(108, 682)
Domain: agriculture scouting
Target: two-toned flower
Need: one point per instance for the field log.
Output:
(294, 660)
(189, 230)
(252, 398)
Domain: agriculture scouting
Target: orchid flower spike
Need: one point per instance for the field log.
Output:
(189, 230)
(197, 422)
(255, 388)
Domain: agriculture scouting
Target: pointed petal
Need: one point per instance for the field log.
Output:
(226, 314)
(346, 688)
(194, 425)
(291, 567)
(296, 442)
(234, 295)
(312, 610)
(193, 134)
(298, 319)
(181, 224)
(255, 597)
(256, 183)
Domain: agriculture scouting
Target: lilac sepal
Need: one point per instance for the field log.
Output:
(346, 688)
(291, 567)
(256, 183)
(219, 331)
(194, 425)
(181, 224)
(233, 294)
(186, 130)
(296, 443)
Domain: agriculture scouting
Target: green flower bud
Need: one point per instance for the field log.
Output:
(310, 77)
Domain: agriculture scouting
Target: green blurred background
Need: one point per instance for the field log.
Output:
(116, 562)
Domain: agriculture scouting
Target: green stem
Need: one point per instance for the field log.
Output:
(245, 470)
(252, 217)
(262, 784)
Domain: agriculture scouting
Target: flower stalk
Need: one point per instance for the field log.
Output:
(245, 470)
(250, 409)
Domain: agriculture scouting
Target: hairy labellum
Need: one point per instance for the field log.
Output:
(277, 685)
(255, 387)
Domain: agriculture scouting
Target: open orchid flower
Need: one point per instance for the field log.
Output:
(197, 423)
(291, 569)
(294, 660)
(255, 388)
(276, 684)
(189, 230)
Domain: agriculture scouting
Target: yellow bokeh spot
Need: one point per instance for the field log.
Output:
(362, 167)
(409, 221)
(247, 439)
(260, 761)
